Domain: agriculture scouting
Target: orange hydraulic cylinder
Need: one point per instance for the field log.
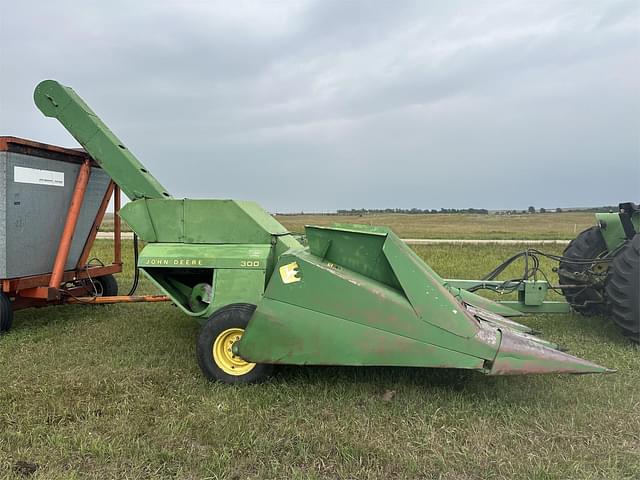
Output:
(70, 225)
(117, 237)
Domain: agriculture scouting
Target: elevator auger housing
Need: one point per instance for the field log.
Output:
(355, 296)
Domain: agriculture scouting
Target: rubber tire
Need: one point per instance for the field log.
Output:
(623, 289)
(587, 245)
(6, 313)
(109, 285)
(232, 316)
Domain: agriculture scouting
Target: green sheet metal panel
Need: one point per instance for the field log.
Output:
(338, 292)
(354, 248)
(238, 271)
(201, 221)
(283, 333)
(430, 299)
(225, 221)
(611, 230)
(180, 255)
(167, 218)
(237, 286)
(136, 215)
(261, 217)
(229, 286)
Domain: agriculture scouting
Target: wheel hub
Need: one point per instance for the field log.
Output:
(224, 353)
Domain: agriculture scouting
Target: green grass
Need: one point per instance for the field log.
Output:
(115, 392)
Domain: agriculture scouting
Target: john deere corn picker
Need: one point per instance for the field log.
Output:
(355, 295)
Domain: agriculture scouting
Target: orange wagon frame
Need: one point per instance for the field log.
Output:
(45, 289)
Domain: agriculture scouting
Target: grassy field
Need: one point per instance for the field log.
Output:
(538, 226)
(561, 226)
(115, 392)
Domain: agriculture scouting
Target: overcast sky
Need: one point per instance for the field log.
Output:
(320, 105)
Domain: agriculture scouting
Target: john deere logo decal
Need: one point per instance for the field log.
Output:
(288, 273)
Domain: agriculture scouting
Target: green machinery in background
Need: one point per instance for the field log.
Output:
(354, 296)
(603, 262)
(599, 273)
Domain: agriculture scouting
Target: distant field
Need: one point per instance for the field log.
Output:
(115, 392)
(536, 226)
(562, 226)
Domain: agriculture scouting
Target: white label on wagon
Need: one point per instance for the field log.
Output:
(37, 176)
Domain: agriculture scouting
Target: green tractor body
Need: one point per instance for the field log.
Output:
(354, 296)
(603, 266)
(618, 228)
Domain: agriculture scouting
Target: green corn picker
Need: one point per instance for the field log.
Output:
(354, 295)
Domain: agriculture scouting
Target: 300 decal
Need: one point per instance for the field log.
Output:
(249, 263)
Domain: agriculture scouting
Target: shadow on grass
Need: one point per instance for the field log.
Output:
(424, 379)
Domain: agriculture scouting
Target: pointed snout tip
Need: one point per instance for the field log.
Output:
(522, 355)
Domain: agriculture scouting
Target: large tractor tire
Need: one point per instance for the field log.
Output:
(215, 342)
(623, 289)
(587, 300)
(6, 313)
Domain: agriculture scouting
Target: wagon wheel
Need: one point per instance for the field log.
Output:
(105, 286)
(6, 313)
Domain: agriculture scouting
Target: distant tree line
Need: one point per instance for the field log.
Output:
(477, 211)
(606, 208)
(367, 211)
(532, 210)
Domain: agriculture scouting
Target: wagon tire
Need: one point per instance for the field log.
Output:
(6, 313)
(106, 286)
(623, 289)
(214, 343)
(589, 244)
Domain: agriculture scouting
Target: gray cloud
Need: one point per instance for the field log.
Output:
(324, 105)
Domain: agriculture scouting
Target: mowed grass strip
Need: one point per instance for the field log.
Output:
(115, 392)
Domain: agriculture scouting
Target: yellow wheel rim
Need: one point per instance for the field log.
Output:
(223, 353)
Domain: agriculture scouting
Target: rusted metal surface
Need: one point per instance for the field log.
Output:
(119, 299)
(13, 286)
(29, 147)
(70, 225)
(117, 229)
(20, 303)
(519, 354)
(86, 251)
(44, 293)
